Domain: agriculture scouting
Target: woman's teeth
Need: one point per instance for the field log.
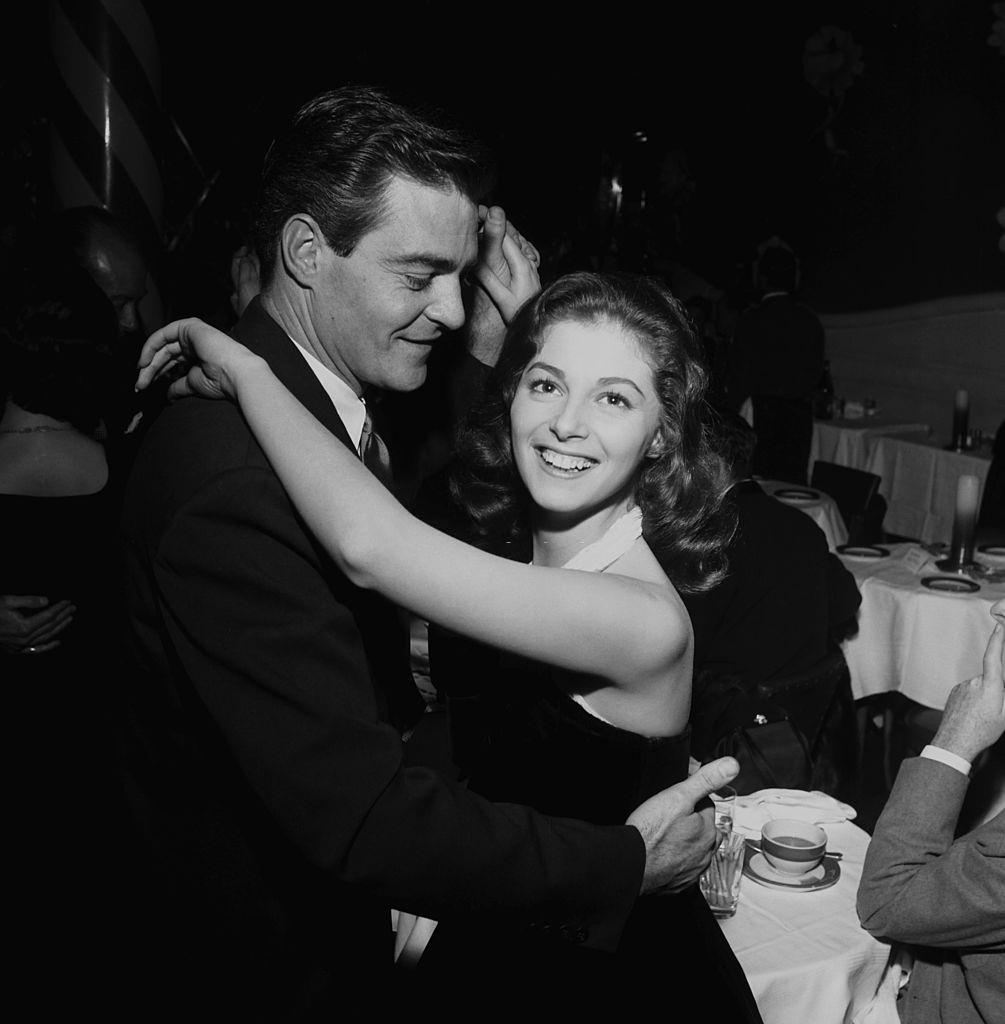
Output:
(568, 463)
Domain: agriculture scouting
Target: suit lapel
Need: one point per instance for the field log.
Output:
(383, 634)
(260, 333)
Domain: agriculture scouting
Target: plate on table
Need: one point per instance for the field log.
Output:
(950, 584)
(757, 869)
(797, 495)
(993, 552)
(864, 552)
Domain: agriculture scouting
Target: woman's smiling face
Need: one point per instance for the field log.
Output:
(585, 416)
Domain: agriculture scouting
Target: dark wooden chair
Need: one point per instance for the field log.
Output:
(819, 701)
(856, 493)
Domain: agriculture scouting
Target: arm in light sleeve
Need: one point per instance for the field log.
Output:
(920, 885)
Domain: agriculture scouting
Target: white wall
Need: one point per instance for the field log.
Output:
(912, 359)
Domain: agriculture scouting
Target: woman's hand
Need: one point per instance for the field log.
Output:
(213, 360)
(509, 285)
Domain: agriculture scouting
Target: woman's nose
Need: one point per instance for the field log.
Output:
(569, 421)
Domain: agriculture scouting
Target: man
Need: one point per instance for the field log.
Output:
(93, 239)
(943, 893)
(264, 747)
(775, 359)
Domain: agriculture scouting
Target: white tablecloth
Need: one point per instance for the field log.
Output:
(822, 510)
(917, 641)
(848, 442)
(805, 955)
(918, 481)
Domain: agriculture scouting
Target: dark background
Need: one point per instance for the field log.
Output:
(705, 114)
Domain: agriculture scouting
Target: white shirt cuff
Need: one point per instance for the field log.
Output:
(961, 764)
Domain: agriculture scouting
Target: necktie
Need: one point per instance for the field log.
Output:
(374, 452)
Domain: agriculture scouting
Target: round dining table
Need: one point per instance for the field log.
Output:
(914, 637)
(804, 953)
(820, 507)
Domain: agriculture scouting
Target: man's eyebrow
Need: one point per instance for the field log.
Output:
(427, 261)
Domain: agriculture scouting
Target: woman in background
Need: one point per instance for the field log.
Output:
(58, 510)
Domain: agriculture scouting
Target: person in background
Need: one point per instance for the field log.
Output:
(271, 693)
(786, 603)
(775, 359)
(940, 892)
(91, 239)
(58, 511)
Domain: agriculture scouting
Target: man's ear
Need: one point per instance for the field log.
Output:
(301, 246)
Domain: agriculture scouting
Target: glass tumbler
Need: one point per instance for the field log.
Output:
(720, 883)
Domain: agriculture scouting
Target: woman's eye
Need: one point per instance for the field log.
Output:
(615, 399)
(542, 385)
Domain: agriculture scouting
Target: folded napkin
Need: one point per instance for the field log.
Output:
(882, 1008)
(753, 810)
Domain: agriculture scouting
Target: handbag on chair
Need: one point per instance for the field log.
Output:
(728, 720)
(772, 751)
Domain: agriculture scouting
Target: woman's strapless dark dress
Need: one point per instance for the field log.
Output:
(518, 738)
(64, 810)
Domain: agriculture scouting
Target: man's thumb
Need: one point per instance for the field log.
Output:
(708, 778)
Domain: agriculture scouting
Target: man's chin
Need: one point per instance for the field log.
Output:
(408, 380)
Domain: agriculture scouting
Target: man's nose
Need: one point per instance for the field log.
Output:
(447, 307)
(129, 319)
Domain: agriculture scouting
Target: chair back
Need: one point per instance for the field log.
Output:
(819, 701)
(856, 493)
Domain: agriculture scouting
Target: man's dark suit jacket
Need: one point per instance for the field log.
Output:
(784, 599)
(776, 358)
(280, 823)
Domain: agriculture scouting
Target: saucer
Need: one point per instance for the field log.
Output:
(757, 869)
(950, 584)
(992, 552)
(797, 495)
(865, 552)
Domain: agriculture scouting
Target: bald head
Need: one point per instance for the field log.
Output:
(103, 246)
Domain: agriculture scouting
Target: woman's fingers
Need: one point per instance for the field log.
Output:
(524, 279)
(164, 350)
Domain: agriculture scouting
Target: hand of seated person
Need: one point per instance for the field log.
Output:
(30, 621)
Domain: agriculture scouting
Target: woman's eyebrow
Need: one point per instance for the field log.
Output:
(608, 381)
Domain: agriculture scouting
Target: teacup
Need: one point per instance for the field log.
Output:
(793, 847)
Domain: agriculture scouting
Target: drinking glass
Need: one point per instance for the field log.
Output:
(720, 883)
(725, 805)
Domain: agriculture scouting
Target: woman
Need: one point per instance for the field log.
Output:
(594, 415)
(57, 506)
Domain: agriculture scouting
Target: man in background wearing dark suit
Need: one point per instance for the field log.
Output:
(269, 695)
(775, 359)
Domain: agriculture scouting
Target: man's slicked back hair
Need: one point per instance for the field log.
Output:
(337, 156)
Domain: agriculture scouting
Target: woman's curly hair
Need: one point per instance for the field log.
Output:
(686, 520)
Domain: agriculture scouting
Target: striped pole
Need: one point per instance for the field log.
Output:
(106, 118)
(106, 122)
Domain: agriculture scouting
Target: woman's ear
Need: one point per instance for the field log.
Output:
(656, 447)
